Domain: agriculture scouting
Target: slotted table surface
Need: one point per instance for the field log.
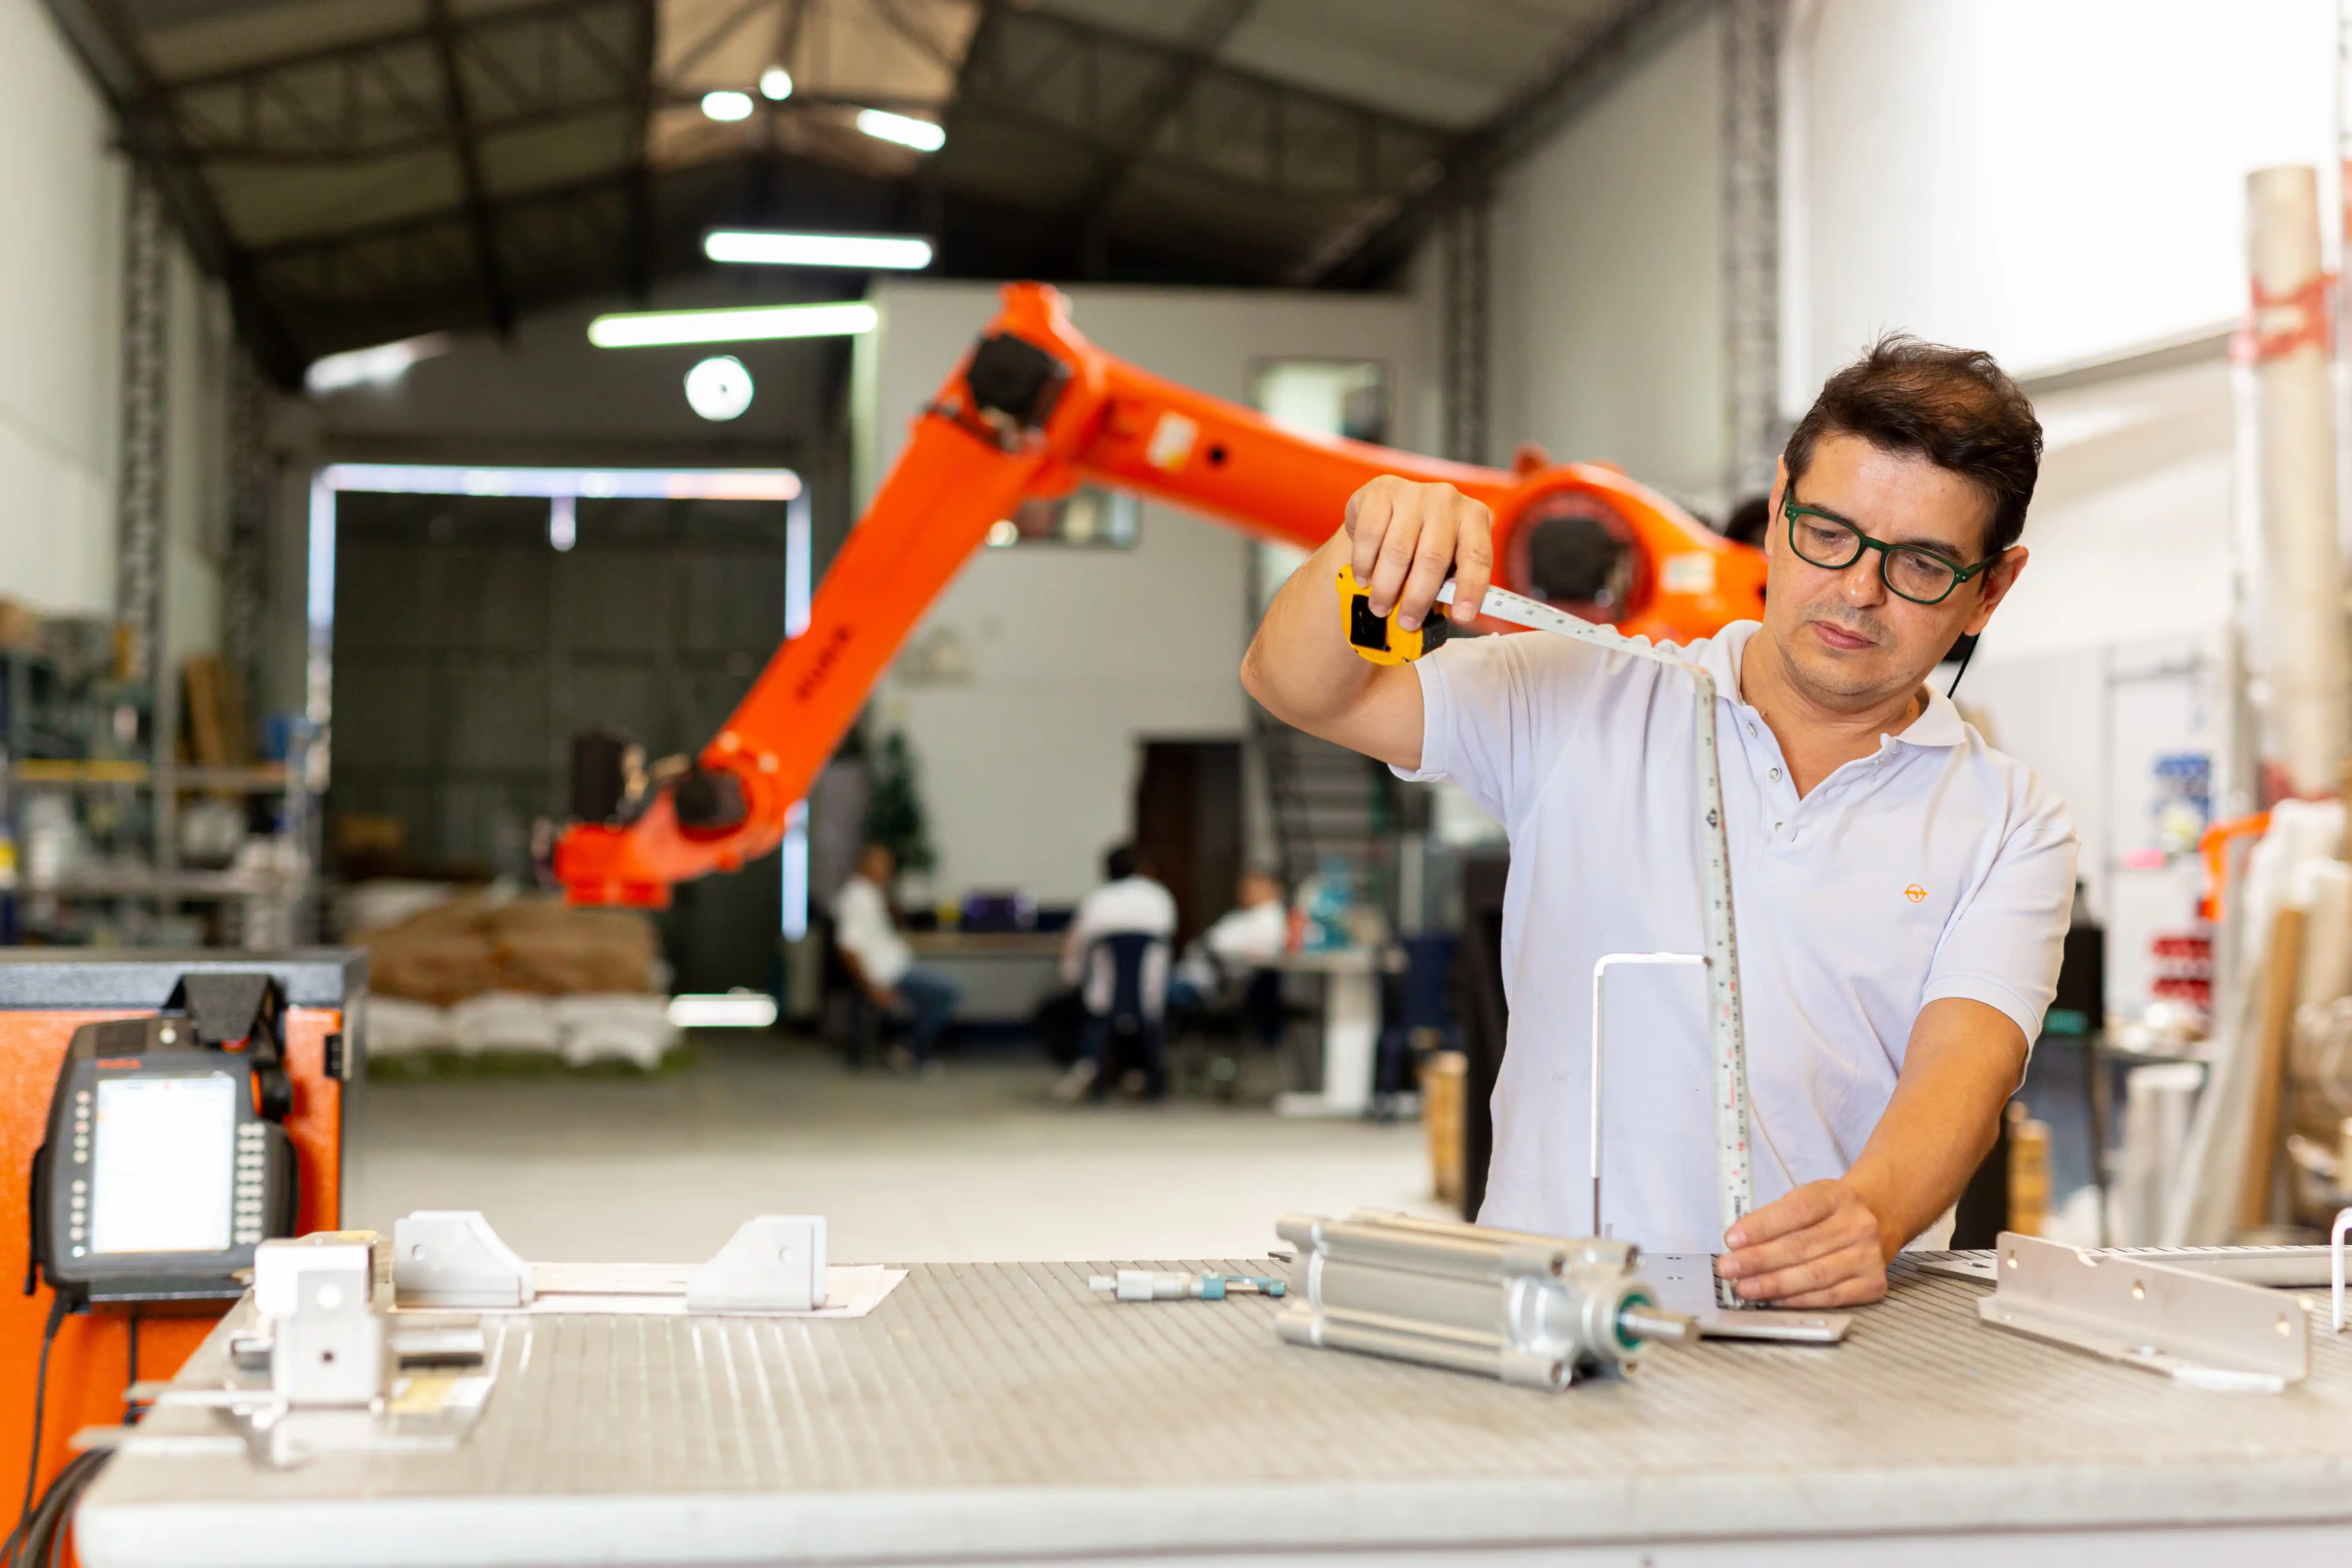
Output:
(1002, 1411)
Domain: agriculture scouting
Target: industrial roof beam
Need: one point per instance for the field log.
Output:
(640, 271)
(1090, 220)
(1469, 162)
(726, 27)
(383, 95)
(100, 35)
(495, 294)
(913, 32)
(1231, 128)
(1013, 23)
(416, 34)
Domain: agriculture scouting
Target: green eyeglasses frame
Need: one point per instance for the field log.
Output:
(1791, 512)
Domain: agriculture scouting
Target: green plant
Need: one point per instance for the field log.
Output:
(894, 816)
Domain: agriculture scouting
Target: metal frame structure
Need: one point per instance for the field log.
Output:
(1752, 37)
(139, 503)
(1147, 130)
(252, 479)
(1469, 275)
(562, 489)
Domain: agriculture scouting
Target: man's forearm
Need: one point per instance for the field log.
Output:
(1296, 665)
(1959, 1071)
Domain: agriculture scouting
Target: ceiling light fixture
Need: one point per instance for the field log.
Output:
(727, 105)
(595, 484)
(754, 323)
(720, 388)
(378, 365)
(775, 84)
(773, 247)
(920, 134)
(736, 1009)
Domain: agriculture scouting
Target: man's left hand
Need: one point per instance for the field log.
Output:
(1817, 1246)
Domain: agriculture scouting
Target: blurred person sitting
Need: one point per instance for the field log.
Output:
(1115, 952)
(865, 932)
(1245, 939)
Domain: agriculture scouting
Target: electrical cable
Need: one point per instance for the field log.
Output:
(1967, 653)
(8, 1550)
(68, 1501)
(46, 1534)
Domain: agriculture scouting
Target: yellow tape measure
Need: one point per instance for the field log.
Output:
(1379, 639)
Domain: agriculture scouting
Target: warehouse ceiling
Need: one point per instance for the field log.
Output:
(364, 170)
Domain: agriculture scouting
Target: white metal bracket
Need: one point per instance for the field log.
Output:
(331, 1349)
(773, 1263)
(2200, 1330)
(2335, 1268)
(451, 1258)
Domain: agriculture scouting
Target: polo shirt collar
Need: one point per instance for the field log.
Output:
(1940, 725)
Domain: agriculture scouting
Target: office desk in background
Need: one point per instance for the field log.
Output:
(1352, 1027)
(1004, 975)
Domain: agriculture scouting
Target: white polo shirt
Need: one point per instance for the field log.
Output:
(1934, 868)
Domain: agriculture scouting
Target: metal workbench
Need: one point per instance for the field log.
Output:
(1001, 1412)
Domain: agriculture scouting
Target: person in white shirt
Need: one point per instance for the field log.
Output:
(1901, 890)
(1251, 935)
(877, 958)
(1130, 902)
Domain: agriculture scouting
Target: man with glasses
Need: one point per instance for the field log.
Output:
(1901, 889)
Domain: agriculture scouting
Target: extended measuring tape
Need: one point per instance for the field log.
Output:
(1381, 640)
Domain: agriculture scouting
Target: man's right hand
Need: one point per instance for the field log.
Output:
(1407, 539)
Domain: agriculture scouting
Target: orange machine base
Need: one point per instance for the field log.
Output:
(90, 1363)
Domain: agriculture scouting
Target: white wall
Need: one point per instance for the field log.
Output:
(1608, 325)
(60, 271)
(1028, 768)
(2053, 180)
(2129, 533)
(2063, 181)
(61, 377)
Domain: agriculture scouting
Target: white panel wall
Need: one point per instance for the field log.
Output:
(60, 271)
(1607, 280)
(2053, 180)
(1028, 768)
(60, 374)
(2130, 534)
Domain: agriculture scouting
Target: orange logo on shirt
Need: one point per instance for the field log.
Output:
(1914, 892)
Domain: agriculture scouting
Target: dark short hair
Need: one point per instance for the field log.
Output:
(1120, 864)
(1956, 407)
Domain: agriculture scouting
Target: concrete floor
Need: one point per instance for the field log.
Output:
(977, 1164)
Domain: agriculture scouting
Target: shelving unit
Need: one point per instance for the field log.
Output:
(263, 900)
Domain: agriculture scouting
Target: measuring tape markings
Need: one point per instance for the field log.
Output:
(1727, 1029)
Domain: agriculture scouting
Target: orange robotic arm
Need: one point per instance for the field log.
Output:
(1031, 411)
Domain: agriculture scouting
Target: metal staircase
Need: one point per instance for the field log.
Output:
(1327, 801)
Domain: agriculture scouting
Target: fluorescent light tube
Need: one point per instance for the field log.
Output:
(651, 328)
(727, 105)
(771, 248)
(680, 484)
(920, 134)
(723, 1010)
(383, 363)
